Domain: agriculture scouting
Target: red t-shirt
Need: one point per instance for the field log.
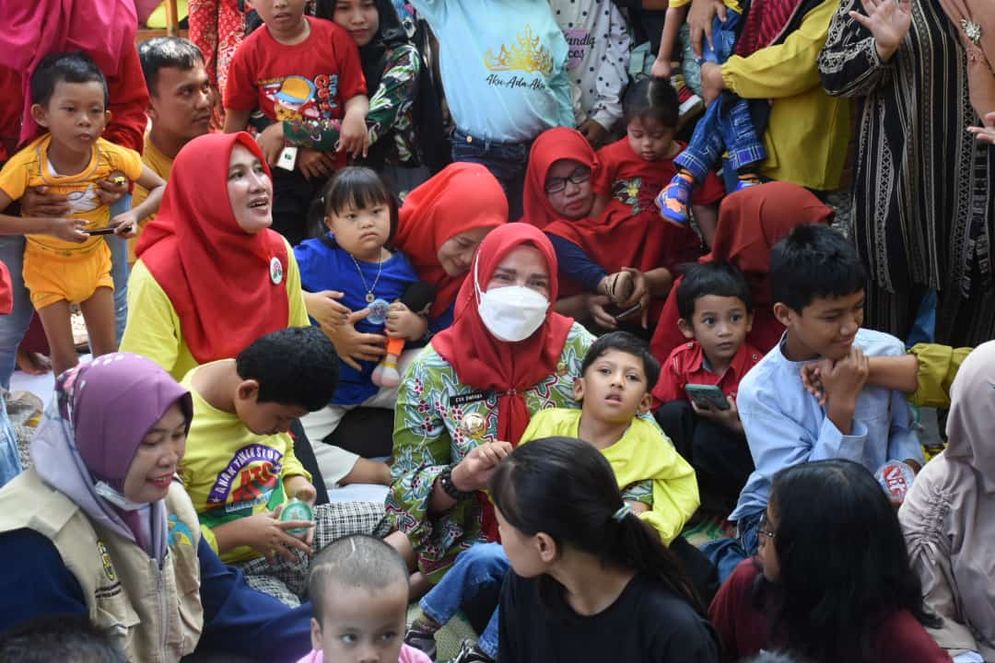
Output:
(311, 80)
(686, 365)
(629, 178)
(742, 628)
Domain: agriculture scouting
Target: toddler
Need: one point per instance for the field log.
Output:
(66, 262)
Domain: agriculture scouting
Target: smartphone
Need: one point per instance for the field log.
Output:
(102, 231)
(707, 396)
(620, 315)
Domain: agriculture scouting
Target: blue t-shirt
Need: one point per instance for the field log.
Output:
(326, 266)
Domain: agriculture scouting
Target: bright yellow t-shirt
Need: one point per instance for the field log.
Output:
(162, 166)
(731, 4)
(30, 168)
(230, 472)
(154, 330)
(642, 453)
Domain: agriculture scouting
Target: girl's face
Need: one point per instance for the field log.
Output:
(361, 231)
(250, 191)
(360, 19)
(569, 189)
(360, 625)
(456, 253)
(157, 458)
(766, 548)
(649, 139)
(524, 266)
(524, 552)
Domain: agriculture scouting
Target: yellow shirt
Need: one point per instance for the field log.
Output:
(230, 472)
(808, 131)
(643, 452)
(731, 4)
(154, 330)
(162, 166)
(30, 168)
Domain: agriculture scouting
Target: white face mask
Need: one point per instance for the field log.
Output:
(511, 313)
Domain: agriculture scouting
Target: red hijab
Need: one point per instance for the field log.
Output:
(218, 277)
(461, 197)
(751, 221)
(552, 146)
(483, 362)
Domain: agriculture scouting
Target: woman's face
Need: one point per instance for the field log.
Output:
(524, 266)
(359, 18)
(456, 253)
(766, 547)
(569, 189)
(157, 458)
(250, 191)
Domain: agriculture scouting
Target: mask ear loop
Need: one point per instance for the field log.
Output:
(476, 279)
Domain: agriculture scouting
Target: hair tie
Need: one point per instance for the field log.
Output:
(622, 512)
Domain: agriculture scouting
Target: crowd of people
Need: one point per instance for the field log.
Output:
(398, 311)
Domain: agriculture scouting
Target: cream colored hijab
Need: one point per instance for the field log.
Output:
(971, 423)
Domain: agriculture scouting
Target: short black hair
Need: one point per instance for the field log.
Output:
(69, 638)
(163, 52)
(74, 67)
(358, 187)
(358, 560)
(629, 344)
(651, 98)
(814, 261)
(293, 366)
(711, 278)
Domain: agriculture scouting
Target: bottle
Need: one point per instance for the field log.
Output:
(896, 478)
(297, 509)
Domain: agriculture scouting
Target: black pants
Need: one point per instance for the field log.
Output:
(720, 457)
(293, 195)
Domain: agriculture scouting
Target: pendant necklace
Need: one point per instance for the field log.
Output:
(369, 291)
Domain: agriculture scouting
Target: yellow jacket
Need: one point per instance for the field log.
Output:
(938, 365)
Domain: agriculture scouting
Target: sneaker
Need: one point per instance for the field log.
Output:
(421, 638)
(470, 653)
(674, 199)
(690, 104)
(746, 181)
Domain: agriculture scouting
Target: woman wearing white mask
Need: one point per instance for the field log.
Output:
(466, 399)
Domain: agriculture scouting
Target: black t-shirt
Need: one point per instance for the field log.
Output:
(647, 624)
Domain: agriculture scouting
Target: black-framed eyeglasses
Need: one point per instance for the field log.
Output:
(763, 530)
(580, 175)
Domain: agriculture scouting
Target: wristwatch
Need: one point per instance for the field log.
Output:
(446, 481)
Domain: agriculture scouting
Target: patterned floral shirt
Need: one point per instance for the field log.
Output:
(432, 403)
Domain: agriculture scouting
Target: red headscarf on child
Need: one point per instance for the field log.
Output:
(482, 361)
(217, 276)
(750, 223)
(461, 197)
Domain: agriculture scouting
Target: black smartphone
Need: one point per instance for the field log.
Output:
(707, 396)
(102, 231)
(622, 314)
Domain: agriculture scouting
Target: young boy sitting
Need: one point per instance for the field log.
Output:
(240, 468)
(716, 315)
(298, 67)
(817, 284)
(359, 591)
(618, 374)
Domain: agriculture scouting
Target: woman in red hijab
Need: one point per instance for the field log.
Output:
(211, 276)
(751, 221)
(610, 255)
(468, 397)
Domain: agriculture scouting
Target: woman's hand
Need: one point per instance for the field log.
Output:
(315, 165)
(986, 133)
(113, 188)
(618, 287)
(701, 15)
(40, 203)
(271, 142)
(325, 308)
(593, 132)
(812, 378)
(353, 346)
(597, 307)
(475, 470)
(404, 323)
(888, 21)
(353, 137)
(712, 82)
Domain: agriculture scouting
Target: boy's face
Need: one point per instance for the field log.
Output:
(360, 625)
(650, 139)
(75, 115)
(719, 324)
(181, 103)
(267, 418)
(284, 17)
(569, 189)
(824, 328)
(613, 388)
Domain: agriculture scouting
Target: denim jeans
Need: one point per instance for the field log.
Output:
(506, 161)
(10, 456)
(119, 270)
(726, 554)
(479, 566)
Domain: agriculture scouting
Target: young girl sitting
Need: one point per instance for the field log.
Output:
(353, 258)
(65, 261)
(831, 580)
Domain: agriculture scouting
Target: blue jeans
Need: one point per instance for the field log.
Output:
(726, 554)
(119, 270)
(481, 565)
(10, 457)
(506, 161)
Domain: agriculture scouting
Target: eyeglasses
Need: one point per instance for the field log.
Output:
(558, 184)
(763, 532)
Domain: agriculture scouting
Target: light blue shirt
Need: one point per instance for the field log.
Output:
(503, 65)
(785, 425)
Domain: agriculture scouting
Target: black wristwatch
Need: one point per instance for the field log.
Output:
(446, 481)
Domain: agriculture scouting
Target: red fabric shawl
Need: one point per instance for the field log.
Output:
(216, 275)
(765, 24)
(461, 197)
(751, 221)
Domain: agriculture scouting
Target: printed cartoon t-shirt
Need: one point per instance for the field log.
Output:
(311, 80)
(230, 472)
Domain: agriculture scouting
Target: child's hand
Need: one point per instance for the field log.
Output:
(68, 229)
(728, 418)
(298, 486)
(271, 143)
(125, 225)
(593, 132)
(638, 507)
(353, 137)
(267, 534)
(314, 164)
(404, 323)
(113, 188)
(353, 346)
(38, 202)
(662, 69)
(475, 470)
(843, 382)
(986, 133)
(324, 307)
(700, 19)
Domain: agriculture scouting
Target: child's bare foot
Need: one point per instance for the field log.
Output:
(33, 363)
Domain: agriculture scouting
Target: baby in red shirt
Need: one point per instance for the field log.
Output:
(716, 315)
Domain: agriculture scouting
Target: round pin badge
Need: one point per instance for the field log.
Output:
(275, 271)
(378, 312)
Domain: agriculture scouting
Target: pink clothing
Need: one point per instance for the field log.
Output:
(408, 655)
